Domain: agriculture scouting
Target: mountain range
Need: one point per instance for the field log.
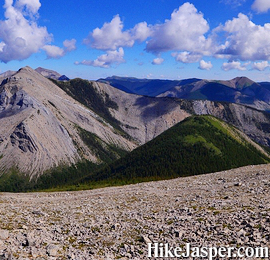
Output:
(240, 90)
(59, 130)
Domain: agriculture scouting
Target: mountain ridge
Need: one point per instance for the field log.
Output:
(240, 90)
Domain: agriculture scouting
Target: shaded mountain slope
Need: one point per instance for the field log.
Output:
(141, 117)
(199, 144)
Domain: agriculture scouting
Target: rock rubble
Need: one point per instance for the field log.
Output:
(229, 208)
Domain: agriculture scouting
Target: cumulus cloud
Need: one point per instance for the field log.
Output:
(106, 60)
(186, 57)
(204, 65)
(175, 34)
(184, 32)
(31, 6)
(245, 40)
(187, 35)
(261, 66)
(20, 35)
(140, 32)
(157, 61)
(261, 6)
(234, 65)
(55, 52)
(69, 45)
(111, 36)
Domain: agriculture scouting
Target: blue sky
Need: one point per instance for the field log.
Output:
(217, 39)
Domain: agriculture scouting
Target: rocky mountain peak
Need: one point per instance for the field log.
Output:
(40, 122)
(241, 82)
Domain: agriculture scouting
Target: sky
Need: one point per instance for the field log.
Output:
(168, 39)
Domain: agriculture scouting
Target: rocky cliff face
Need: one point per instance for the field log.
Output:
(39, 125)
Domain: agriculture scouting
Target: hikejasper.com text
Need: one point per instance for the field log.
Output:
(164, 250)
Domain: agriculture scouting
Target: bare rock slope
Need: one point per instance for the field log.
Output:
(39, 125)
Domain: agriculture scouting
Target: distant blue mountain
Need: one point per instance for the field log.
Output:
(239, 90)
(146, 87)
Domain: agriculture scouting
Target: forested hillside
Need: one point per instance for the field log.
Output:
(197, 145)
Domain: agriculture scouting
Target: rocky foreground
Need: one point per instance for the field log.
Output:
(229, 208)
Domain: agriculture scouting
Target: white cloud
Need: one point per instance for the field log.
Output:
(187, 57)
(70, 45)
(261, 6)
(55, 52)
(245, 40)
(188, 34)
(234, 65)
(157, 61)
(111, 36)
(20, 35)
(184, 32)
(140, 32)
(261, 66)
(106, 60)
(204, 65)
(175, 34)
(31, 6)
